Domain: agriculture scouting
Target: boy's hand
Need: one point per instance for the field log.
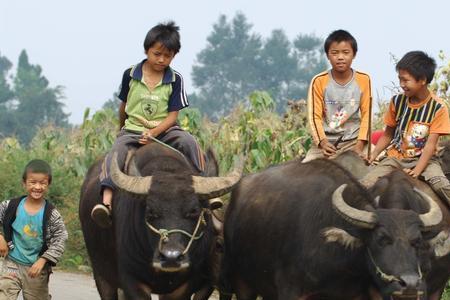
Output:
(328, 149)
(37, 267)
(411, 172)
(3, 247)
(145, 137)
(359, 148)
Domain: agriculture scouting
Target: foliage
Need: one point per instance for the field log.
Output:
(255, 130)
(112, 103)
(237, 62)
(5, 91)
(70, 152)
(264, 136)
(30, 103)
(441, 81)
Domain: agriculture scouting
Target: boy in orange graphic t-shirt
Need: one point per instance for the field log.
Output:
(414, 122)
(339, 102)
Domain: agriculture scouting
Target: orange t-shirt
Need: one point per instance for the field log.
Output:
(413, 124)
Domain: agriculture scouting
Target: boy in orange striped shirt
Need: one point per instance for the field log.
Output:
(414, 122)
(339, 101)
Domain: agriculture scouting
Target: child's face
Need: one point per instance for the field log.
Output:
(341, 56)
(36, 185)
(411, 87)
(159, 57)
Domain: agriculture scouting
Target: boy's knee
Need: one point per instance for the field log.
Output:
(439, 182)
(9, 288)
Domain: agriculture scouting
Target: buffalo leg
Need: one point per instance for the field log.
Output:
(203, 293)
(436, 296)
(225, 296)
(105, 289)
(244, 292)
(183, 292)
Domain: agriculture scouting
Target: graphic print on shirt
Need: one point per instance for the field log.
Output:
(415, 138)
(339, 117)
(149, 105)
(30, 230)
(341, 105)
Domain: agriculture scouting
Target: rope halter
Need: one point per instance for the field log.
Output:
(386, 277)
(164, 233)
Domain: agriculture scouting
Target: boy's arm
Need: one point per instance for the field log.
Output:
(123, 96)
(365, 109)
(383, 142)
(56, 238)
(427, 152)
(122, 114)
(168, 122)
(3, 245)
(315, 112)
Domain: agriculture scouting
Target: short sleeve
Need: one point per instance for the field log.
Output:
(178, 99)
(441, 122)
(125, 85)
(389, 116)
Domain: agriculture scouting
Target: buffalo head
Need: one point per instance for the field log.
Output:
(174, 211)
(397, 242)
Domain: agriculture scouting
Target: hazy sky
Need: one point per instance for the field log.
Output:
(85, 45)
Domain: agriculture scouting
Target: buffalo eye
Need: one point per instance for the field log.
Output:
(151, 215)
(193, 213)
(416, 242)
(383, 240)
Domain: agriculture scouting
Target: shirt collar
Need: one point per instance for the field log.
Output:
(168, 77)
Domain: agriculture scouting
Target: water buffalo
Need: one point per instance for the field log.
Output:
(394, 192)
(311, 231)
(162, 234)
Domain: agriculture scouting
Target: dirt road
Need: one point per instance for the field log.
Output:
(69, 286)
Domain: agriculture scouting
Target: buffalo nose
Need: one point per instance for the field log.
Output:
(410, 281)
(171, 255)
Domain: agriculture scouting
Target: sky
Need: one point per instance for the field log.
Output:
(85, 45)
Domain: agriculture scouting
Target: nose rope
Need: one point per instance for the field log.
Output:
(161, 143)
(164, 233)
(387, 277)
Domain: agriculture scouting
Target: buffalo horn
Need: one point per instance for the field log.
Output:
(213, 187)
(434, 216)
(132, 184)
(360, 218)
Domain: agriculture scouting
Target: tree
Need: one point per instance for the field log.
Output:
(6, 93)
(113, 103)
(236, 62)
(7, 121)
(31, 103)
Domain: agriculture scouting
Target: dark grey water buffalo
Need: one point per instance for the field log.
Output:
(162, 234)
(311, 231)
(394, 191)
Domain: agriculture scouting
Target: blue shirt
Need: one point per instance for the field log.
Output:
(27, 235)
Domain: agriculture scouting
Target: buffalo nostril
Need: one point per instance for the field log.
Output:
(180, 258)
(161, 257)
(410, 281)
(170, 255)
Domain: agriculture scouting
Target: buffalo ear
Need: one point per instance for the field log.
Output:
(204, 203)
(337, 235)
(440, 243)
(379, 188)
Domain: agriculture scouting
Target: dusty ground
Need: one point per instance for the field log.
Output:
(76, 287)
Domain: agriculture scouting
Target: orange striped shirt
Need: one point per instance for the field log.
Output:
(338, 111)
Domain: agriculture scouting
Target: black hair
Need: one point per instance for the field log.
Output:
(340, 36)
(37, 166)
(165, 33)
(418, 64)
